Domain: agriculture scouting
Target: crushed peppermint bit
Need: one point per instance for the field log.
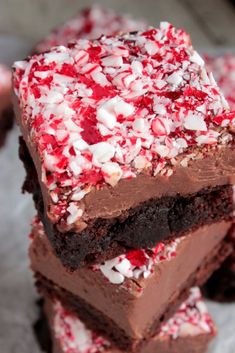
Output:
(5, 78)
(73, 335)
(191, 319)
(138, 263)
(134, 264)
(105, 110)
(91, 23)
(223, 68)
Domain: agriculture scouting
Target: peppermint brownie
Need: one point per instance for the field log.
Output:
(221, 285)
(132, 141)
(128, 297)
(6, 112)
(90, 23)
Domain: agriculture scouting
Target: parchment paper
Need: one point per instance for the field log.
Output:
(17, 295)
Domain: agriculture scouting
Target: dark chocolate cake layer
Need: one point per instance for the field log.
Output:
(96, 320)
(166, 218)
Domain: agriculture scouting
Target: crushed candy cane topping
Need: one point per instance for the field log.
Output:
(138, 263)
(191, 319)
(90, 23)
(73, 335)
(134, 264)
(5, 78)
(223, 68)
(104, 110)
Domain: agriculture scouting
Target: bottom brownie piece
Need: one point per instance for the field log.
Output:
(6, 123)
(221, 285)
(189, 330)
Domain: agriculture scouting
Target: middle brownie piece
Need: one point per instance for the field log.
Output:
(128, 297)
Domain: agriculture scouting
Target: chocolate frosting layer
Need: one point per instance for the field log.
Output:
(215, 169)
(136, 304)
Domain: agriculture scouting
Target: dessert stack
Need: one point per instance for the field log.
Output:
(128, 146)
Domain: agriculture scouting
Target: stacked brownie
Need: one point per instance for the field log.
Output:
(90, 23)
(129, 151)
(221, 285)
(6, 113)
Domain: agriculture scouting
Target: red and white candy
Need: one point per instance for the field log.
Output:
(5, 78)
(191, 319)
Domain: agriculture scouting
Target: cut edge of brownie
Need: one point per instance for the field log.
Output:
(107, 238)
(94, 319)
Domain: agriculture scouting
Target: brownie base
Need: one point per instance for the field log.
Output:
(96, 320)
(6, 123)
(107, 238)
(48, 343)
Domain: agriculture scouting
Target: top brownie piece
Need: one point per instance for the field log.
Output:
(90, 23)
(116, 122)
(223, 68)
